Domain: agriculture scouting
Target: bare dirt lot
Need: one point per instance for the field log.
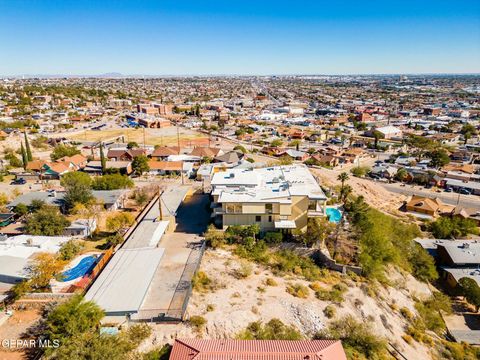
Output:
(13, 328)
(234, 303)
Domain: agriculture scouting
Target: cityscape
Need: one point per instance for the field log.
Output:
(218, 209)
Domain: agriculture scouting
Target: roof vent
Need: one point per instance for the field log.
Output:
(466, 245)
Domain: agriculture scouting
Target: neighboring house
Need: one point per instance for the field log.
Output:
(192, 349)
(81, 228)
(6, 219)
(163, 152)
(281, 197)
(431, 207)
(327, 160)
(170, 168)
(110, 199)
(467, 213)
(206, 152)
(95, 167)
(472, 186)
(390, 132)
(16, 252)
(124, 154)
(230, 157)
(384, 172)
(295, 154)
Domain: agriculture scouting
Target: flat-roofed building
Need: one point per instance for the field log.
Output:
(275, 198)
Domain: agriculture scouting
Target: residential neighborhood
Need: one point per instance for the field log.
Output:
(237, 180)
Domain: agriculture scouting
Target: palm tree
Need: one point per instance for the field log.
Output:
(347, 190)
(342, 177)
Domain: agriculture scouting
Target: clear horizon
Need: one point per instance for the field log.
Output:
(215, 38)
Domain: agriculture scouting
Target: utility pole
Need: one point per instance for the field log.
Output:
(160, 204)
(178, 136)
(144, 138)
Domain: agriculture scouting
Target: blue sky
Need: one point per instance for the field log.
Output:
(175, 37)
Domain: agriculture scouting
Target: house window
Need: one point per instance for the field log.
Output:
(230, 208)
(268, 208)
(270, 218)
(258, 218)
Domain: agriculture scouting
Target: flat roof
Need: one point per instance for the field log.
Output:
(271, 184)
(123, 283)
(147, 234)
(458, 273)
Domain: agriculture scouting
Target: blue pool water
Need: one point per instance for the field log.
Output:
(334, 215)
(83, 267)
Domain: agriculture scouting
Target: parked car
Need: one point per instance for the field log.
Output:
(464, 191)
(448, 189)
(20, 181)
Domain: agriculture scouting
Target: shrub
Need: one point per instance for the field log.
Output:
(214, 238)
(298, 290)
(357, 338)
(70, 249)
(330, 311)
(407, 338)
(162, 353)
(244, 271)
(445, 227)
(201, 282)
(197, 322)
(271, 282)
(406, 313)
(335, 294)
(360, 171)
(272, 237)
(273, 330)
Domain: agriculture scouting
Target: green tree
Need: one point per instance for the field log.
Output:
(358, 339)
(27, 147)
(438, 158)
(276, 143)
(24, 156)
(343, 177)
(470, 289)
(77, 189)
(240, 148)
(401, 174)
(119, 221)
(112, 182)
(61, 150)
(140, 164)
(377, 135)
(46, 221)
(468, 130)
(318, 230)
(103, 160)
(20, 209)
(72, 318)
(446, 228)
(132, 145)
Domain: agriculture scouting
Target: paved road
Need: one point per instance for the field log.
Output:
(469, 201)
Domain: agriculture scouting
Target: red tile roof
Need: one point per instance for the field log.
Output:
(198, 349)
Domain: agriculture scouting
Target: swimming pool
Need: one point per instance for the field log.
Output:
(83, 267)
(334, 215)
